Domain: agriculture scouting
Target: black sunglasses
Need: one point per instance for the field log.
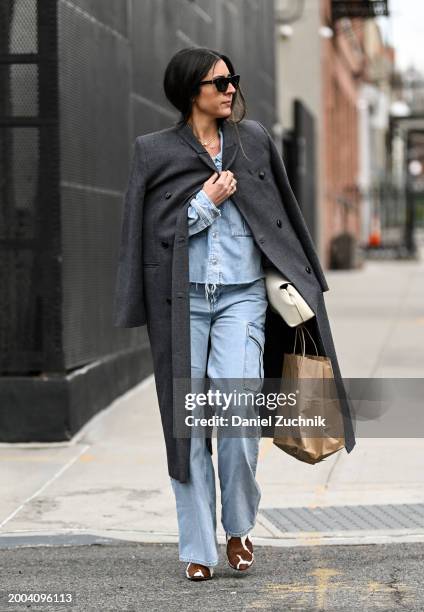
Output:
(221, 82)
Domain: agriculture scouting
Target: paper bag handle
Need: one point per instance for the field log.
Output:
(303, 343)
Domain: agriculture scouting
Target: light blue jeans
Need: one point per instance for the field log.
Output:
(234, 318)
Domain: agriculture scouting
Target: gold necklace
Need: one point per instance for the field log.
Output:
(206, 143)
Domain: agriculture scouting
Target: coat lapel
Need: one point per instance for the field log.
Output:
(230, 144)
(230, 141)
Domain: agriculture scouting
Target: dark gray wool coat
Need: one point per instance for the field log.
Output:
(152, 285)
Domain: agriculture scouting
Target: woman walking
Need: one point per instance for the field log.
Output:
(228, 304)
(196, 237)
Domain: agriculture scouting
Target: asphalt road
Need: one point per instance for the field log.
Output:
(138, 576)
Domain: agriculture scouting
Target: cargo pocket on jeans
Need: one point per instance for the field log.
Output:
(253, 371)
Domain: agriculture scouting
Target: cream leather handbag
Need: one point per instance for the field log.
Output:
(285, 299)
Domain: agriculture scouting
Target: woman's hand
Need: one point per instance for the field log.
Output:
(220, 188)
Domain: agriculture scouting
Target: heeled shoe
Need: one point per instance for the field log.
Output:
(196, 571)
(240, 552)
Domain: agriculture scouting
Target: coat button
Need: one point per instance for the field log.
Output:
(165, 244)
(168, 194)
(279, 222)
(308, 269)
(261, 174)
(168, 300)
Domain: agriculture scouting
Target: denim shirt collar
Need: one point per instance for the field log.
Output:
(218, 156)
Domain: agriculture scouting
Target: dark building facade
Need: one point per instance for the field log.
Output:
(79, 80)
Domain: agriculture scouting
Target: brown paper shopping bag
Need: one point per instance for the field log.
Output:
(314, 378)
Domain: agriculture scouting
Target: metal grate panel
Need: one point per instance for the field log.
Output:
(18, 31)
(29, 235)
(347, 518)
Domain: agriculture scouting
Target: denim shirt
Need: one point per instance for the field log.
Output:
(220, 239)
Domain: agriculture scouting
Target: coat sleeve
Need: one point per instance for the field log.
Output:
(129, 308)
(294, 212)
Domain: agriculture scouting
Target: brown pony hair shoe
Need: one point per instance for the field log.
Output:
(196, 571)
(240, 552)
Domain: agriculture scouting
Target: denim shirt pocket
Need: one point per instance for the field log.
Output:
(238, 224)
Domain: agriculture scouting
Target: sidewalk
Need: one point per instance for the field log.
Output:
(111, 481)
